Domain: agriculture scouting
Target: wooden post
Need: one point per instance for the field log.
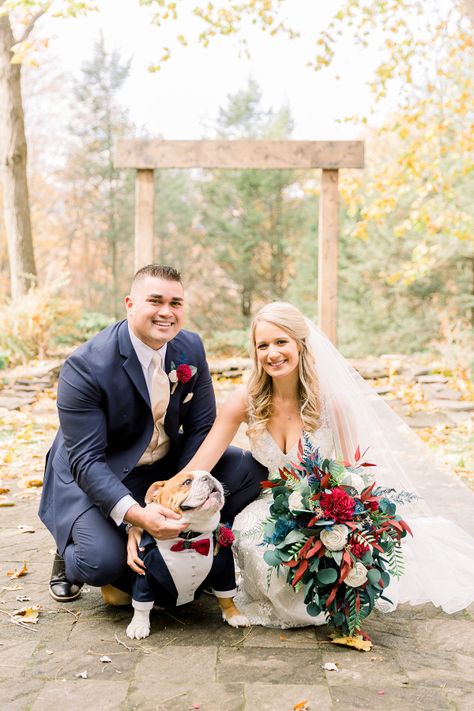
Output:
(328, 250)
(144, 214)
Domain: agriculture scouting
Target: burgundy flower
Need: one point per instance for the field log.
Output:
(225, 536)
(183, 373)
(358, 549)
(337, 504)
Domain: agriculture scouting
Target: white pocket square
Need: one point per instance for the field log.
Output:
(188, 397)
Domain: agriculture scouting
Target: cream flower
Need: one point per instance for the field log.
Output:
(295, 501)
(357, 575)
(354, 480)
(336, 538)
(173, 376)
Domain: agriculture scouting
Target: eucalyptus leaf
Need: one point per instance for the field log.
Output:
(271, 558)
(294, 536)
(326, 576)
(373, 575)
(313, 609)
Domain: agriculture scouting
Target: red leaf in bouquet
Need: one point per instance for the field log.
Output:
(269, 484)
(317, 548)
(367, 464)
(324, 481)
(305, 548)
(406, 527)
(346, 565)
(357, 601)
(300, 572)
(332, 594)
(357, 454)
(367, 492)
(290, 563)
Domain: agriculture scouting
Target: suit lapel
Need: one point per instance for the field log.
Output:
(131, 364)
(172, 411)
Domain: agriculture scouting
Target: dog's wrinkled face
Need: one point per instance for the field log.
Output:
(188, 491)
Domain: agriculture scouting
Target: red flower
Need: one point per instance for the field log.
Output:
(225, 536)
(183, 373)
(338, 505)
(358, 549)
(372, 505)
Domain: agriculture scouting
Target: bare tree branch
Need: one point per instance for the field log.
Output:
(29, 27)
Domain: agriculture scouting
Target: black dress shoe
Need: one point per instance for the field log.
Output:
(60, 588)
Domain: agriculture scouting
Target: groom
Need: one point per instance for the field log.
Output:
(135, 402)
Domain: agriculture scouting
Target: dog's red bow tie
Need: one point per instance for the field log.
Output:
(201, 546)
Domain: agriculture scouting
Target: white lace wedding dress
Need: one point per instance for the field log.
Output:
(439, 559)
(270, 602)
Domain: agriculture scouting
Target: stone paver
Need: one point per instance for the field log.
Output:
(422, 658)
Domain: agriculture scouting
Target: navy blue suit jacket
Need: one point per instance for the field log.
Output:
(106, 424)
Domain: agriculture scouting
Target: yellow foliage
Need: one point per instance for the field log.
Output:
(29, 326)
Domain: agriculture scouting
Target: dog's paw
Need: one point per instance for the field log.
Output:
(138, 629)
(237, 619)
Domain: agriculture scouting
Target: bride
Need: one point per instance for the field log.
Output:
(301, 389)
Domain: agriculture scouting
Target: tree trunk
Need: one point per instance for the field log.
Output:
(13, 169)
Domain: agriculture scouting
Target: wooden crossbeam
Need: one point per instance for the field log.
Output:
(155, 154)
(146, 156)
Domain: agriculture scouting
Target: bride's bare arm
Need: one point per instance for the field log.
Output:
(230, 417)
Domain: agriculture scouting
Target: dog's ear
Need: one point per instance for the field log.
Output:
(153, 495)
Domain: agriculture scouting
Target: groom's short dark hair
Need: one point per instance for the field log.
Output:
(159, 271)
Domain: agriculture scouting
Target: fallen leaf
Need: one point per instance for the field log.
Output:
(330, 666)
(27, 614)
(381, 692)
(26, 529)
(196, 706)
(105, 660)
(14, 574)
(7, 503)
(4, 489)
(23, 598)
(356, 641)
(32, 483)
(301, 706)
(12, 587)
(49, 651)
(82, 675)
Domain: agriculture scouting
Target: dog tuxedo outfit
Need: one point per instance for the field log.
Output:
(178, 570)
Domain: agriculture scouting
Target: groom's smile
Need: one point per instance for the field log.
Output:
(155, 310)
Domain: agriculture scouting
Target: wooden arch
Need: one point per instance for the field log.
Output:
(145, 156)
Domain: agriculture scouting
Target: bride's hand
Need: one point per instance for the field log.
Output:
(133, 560)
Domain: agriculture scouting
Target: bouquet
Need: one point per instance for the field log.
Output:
(337, 536)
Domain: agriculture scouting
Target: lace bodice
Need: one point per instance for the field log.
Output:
(267, 452)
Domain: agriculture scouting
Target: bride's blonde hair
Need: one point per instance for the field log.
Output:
(291, 320)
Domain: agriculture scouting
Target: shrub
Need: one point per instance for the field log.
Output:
(31, 325)
(228, 343)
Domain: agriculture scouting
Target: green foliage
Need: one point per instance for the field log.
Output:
(228, 343)
(87, 326)
(251, 219)
(102, 205)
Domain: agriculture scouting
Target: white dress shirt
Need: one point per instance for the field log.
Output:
(145, 356)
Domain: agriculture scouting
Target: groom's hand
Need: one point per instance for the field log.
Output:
(160, 521)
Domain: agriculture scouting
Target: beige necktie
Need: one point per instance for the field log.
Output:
(160, 389)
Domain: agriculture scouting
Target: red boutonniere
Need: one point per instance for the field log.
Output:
(224, 536)
(181, 374)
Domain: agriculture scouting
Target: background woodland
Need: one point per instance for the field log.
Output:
(241, 238)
